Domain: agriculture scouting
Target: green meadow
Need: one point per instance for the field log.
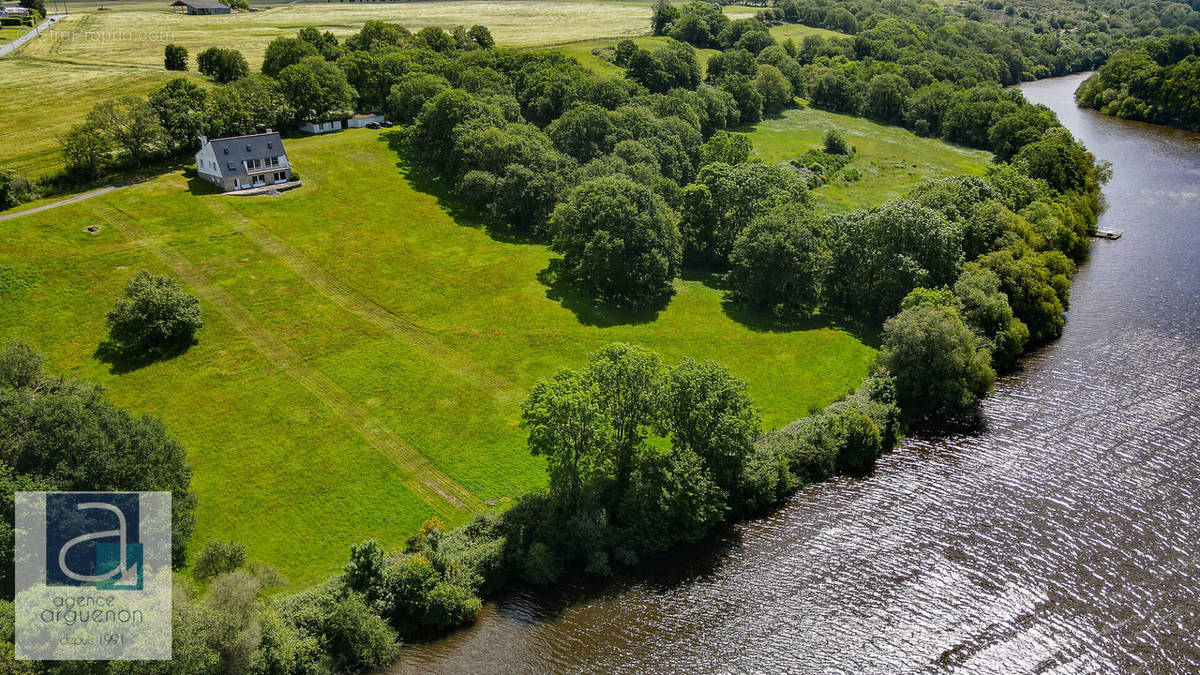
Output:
(366, 347)
(890, 160)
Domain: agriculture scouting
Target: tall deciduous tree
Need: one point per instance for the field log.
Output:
(618, 240)
(285, 51)
(316, 89)
(181, 106)
(175, 57)
(154, 317)
(131, 124)
(940, 370)
(222, 65)
(779, 262)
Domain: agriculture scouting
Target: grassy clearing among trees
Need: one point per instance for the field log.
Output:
(889, 159)
(366, 347)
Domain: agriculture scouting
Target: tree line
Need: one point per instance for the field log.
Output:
(1155, 80)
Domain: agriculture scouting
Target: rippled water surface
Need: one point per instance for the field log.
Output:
(1065, 538)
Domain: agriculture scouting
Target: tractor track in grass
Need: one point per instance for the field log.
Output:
(395, 324)
(437, 489)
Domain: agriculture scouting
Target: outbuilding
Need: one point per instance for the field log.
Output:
(337, 124)
(321, 127)
(202, 7)
(363, 119)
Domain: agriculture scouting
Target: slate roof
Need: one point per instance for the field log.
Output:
(231, 152)
(200, 4)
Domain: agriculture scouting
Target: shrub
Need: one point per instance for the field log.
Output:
(363, 573)
(835, 143)
(20, 365)
(353, 636)
(218, 557)
(154, 318)
(175, 57)
(15, 189)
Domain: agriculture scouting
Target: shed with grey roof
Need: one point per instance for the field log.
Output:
(202, 6)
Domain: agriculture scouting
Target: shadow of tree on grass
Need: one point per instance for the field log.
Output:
(588, 311)
(121, 359)
(460, 211)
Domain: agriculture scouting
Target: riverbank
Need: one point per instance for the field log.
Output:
(1057, 536)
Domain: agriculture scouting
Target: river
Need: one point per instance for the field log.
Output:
(1063, 538)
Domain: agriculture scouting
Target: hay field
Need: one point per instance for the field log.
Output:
(53, 81)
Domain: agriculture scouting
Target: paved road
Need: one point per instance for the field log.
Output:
(62, 202)
(8, 48)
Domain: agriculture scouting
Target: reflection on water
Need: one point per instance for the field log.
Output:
(1061, 539)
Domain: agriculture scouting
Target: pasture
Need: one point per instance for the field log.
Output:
(366, 348)
(890, 159)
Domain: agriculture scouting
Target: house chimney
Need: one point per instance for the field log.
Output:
(203, 140)
(269, 130)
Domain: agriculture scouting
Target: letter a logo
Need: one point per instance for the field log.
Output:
(92, 540)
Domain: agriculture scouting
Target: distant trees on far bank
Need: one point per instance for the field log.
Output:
(1151, 81)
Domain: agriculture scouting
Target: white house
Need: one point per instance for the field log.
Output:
(241, 162)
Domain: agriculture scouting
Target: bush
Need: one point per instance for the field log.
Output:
(835, 143)
(20, 365)
(154, 318)
(218, 558)
(347, 630)
(175, 57)
(15, 189)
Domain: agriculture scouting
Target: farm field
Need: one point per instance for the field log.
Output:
(10, 33)
(890, 159)
(366, 345)
(94, 55)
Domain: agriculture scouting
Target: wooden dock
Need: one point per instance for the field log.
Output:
(1108, 234)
